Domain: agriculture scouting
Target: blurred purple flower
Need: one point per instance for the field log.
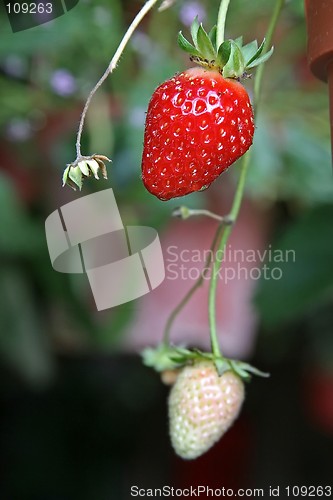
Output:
(63, 83)
(18, 130)
(190, 10)
(142, 43)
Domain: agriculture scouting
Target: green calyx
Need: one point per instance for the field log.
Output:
(231, 58)
(170, 357)
(84, 166)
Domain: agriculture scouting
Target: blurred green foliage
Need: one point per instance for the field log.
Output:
(45, 75)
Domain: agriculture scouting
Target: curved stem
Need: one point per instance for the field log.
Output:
(211, 215)
(113, 64)
(221, 21)
(238, 196)
(184, 212)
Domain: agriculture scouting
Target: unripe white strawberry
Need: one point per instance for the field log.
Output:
(202, 407)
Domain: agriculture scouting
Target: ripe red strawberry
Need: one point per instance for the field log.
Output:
(200, 121)
(202, 407)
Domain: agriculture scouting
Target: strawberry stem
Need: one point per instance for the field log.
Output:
(184, 213)
(225, 227)
(112, 66)
(220, 252)
(269, 35)
(221, 22)
(238, 196)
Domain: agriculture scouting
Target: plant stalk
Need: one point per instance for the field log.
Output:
(221, 18)
(238, 195)
(112, 66)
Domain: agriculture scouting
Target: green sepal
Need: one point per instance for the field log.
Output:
(239, 41)
(212, 35)
(202, 354)
(236, 367)
(231, 58)
(183, 355)
(194, 31)
(261, 59)
(65, 175)
(204, 44)
(160, 358)
(83, 167)
(252, 369)
(186, 45)
(223, 54)
(245, 370)
(221, 366)
(170, 357)
(249, 50)
(257, 53)
(75, 175)
(235, 66)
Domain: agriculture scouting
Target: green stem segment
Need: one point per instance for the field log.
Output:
(238, 195)
(220, 251)
(268, 38)
(221, 22)
(112, 66)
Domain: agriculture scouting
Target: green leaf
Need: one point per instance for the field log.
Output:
(205, 45)
(194, 31)
(224, 53)
(186, 45)
(249, 50)
(261, 59)
(235, 65)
